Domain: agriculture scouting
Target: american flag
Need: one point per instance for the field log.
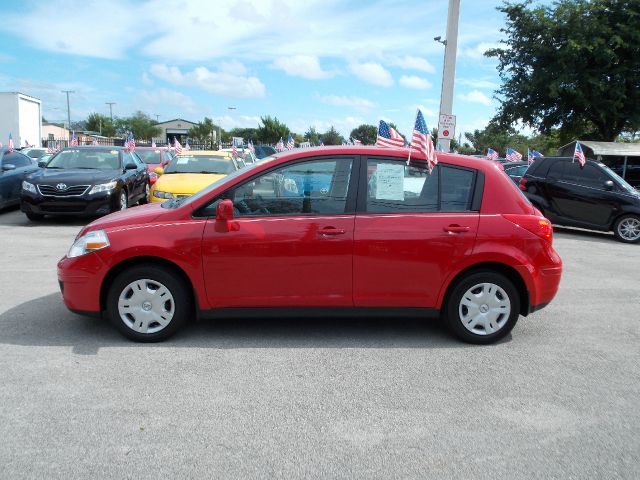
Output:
(51, 149)
(10, 146)
(95, 141)
(357, 142)
(130, 144)
(74, 140)
(577, 153)
(187, 147)
(513, 156)
(422, 141)
(388, 137)
(168, 145)
(176, 145)
(321, 144)
(153, 144)
(280, 145)
(251, 147)
(492, 154)
(290, 142)
(532, 155)
(234, 148)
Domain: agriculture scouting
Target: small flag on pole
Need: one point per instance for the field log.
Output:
(95, 141)
(153, 143)
(513, 156)
(187, 147)
(290, 142)
(177, 146)
(388, 137)
(357, 142)
(280, 145)
(252, 149)
(321, 144)
(492, 154)
(422, 142)
(579, 154)
(234, 148)
(532, 155)
(10, 146)
(74, 140)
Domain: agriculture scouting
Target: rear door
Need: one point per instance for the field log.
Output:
(411, 229)
(11, 180)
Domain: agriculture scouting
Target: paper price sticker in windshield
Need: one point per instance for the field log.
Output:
(182, 161)
(113, 152)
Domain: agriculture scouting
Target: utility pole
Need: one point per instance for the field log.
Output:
(157, 117)
(111, 104)
(449, 68)
(68, 110)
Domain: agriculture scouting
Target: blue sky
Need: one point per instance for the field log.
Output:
(309, 63)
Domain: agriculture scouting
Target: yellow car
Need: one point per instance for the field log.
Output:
(191, 171)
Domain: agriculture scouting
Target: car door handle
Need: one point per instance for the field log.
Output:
(332, 231)
(456, 228)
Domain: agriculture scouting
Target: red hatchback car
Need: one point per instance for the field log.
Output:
(332, 230)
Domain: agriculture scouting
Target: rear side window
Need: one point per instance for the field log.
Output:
(394, 187)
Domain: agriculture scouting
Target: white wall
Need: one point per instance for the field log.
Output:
(30, 120)
(8, 117)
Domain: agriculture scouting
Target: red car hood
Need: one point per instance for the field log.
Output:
(131, 216)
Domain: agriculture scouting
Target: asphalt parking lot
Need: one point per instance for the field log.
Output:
(388, 398)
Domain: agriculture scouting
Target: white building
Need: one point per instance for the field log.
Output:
(20, 116)
(173, 129)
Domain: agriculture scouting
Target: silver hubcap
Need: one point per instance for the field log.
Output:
(484, 309)
(146, 306)
(629, 229)
(123, 200)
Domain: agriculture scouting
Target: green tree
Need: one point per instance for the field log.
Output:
(367, 134)
(312, 136)
(246, 134)
(202, 132)
(96, 122)
(572, 65)
(496, 137)
(332, 137)
(272, 130)
(140, 124)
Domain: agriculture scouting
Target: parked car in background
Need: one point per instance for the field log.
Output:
(153, 158)
(592, 196)
(515, 170)
(461, 242)
(85, 181)
(264, 151)
(14, 167)
(244, 154)
(34, 152)
(191, 171)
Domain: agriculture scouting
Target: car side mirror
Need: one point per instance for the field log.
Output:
(42, 164)
(158, 170)
(608, 185)
(8, 166)
(224, 210)
(130, 166)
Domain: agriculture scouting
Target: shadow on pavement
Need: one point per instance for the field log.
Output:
(585, 235)
(12, 216)
(45, 321)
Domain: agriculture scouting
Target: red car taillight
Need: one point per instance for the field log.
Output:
(537, 225)
(522, 185)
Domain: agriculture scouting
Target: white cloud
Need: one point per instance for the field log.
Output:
(477, 51)
(229, 81)
(146, 79)
(373, 73)
(305, 66)
(342, 101)
(477, 83)
(152, 99)
(475, 96)
(413, 63)
(229, 122)
(413, 81)
(343, 125)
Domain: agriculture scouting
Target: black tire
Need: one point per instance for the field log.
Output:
(173, 283)
(146, 197)
(117, 204)
(452, 308)
(624, 231)
(34, 217)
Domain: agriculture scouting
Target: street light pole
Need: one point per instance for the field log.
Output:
(228, 108)
(68, 110)
(449, 67)
(111, 104)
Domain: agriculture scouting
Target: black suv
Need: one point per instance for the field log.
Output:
(592, 196)
(85, 181)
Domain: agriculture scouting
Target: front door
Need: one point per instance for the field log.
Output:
(413, 229)
(291, 241)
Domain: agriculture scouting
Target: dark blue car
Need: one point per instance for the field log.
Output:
(14, 167)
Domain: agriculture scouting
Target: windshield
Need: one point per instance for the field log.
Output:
(36, 153)
(214, 185)
(149, 156)
(86, 159)
(621, 181)
(200, 164)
